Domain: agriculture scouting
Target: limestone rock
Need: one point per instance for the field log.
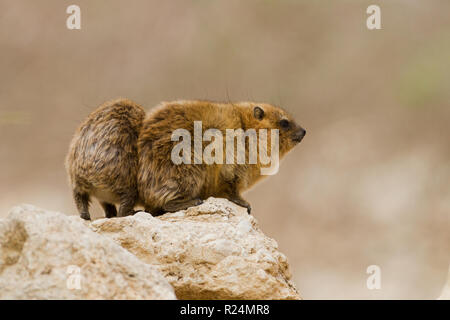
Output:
(212, 251)
(48, 255)
(445, 295)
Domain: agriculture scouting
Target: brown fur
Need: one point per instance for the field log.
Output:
(102, 159)
(164, 186)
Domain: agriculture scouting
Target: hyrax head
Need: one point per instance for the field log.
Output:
(266, 116)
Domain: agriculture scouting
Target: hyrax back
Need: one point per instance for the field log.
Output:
(166, 186)
(102, 159)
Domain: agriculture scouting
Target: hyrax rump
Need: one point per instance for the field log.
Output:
(166, 187)
(102, 159)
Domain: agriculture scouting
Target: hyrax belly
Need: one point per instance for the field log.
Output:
(103, 195)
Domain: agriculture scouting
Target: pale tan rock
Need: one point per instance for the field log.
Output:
(213, 251)
(41, 253)
(445, 294)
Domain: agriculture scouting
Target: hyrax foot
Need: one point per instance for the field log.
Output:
(242, 203)
(85, 216)
(182, 204)
(82, 202)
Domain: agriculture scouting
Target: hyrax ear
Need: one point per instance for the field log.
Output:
(258, 113)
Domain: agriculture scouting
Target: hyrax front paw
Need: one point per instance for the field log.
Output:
(243, 203)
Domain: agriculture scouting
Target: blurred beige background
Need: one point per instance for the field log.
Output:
(368, 185)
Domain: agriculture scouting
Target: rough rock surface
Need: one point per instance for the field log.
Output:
(212, 251)
(445, 295)
(41, 253)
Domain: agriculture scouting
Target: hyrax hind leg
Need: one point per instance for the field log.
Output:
(174, 195)
(181, 204)
(127, 202)
(110, 209)
(184, 191)
(177, 203)
(82, 203)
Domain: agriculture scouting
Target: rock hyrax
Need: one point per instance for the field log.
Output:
(119, 157)
(102, 159)
(166, 187)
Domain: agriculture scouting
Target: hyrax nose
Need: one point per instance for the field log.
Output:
(299, 134)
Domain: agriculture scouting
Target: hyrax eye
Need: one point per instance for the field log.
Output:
(284, 124)
(258, 112)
